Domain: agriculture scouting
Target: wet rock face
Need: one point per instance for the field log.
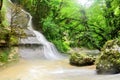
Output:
(81, 59)
(109, 60)
(20, 19)
(16, 17)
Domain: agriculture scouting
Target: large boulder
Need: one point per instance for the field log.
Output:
(109, 59)
(81, 59)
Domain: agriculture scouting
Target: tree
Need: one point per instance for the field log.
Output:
(41, 11)
(1, 3)
(112, 17)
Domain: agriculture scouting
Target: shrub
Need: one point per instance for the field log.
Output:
(61, 46)
(8, 55)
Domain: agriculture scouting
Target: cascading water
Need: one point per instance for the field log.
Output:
(49, 50)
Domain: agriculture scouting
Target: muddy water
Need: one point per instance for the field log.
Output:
(51, 70)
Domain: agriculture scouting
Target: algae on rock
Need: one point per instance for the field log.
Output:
(81, 59)
(109, 60)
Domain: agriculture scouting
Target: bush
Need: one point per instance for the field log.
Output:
(8, 55)
(4, 56)
(81, 59)
(109, 60)
(61, 45)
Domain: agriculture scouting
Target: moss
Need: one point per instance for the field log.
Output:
(81, 59)
(8, 55)
(109, 60)
(9, 34)
(7, 37)
(13, 40)
(3, 14)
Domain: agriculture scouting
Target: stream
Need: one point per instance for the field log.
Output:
(37, 69)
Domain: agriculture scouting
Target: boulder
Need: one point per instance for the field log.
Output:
(81, 59)
(109, 59)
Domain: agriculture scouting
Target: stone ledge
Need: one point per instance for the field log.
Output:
(29, 41)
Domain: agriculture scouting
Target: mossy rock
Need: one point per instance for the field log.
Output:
(81, 59)
(109, 60)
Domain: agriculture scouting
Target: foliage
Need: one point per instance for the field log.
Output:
(4, 55)
(61, 45)
(6, 37)
(68, 24)
(112, 18)
(7, 55)
(82, 59)
(73, 24)
(13, 40)
(109, 60)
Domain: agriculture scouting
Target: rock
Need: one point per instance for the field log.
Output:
(3, 43)
(84, 50)
(81, 59)
(20, 19)
(109, 59)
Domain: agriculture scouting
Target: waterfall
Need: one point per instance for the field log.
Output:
(49, 50)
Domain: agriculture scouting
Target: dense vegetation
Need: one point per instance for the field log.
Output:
(68, 24)
(8, 37)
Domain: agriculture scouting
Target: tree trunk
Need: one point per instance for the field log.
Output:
(1, 3)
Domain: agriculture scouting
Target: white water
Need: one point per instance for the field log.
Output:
(49, 50)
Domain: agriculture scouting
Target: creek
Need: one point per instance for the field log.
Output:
(41, 61)
(37, 69)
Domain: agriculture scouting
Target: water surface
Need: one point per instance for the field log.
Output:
(51, 70)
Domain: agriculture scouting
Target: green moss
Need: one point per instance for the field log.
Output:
(3, 14)
(109, 60)
(81, 59)
(6, 39)
(8, 55)
(13, 40)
